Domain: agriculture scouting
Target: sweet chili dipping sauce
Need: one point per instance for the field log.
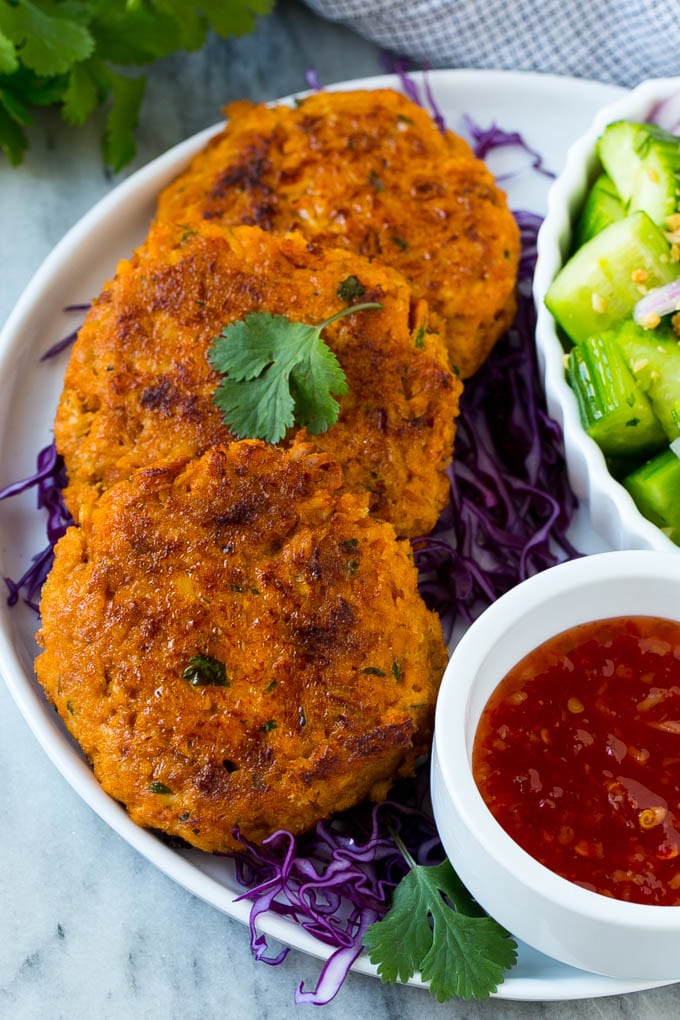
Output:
(577, 755)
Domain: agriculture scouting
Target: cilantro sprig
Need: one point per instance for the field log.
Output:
(68, 53)
(278, 373)
(434, 926)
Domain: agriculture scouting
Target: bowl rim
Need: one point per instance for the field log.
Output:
(612, 508)
(451, 757)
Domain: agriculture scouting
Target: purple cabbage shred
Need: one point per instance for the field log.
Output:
(336, 880)
(49, 480)
(312, 79)
(487, 140)
(401, 66)
(66, 341)
(510, 501)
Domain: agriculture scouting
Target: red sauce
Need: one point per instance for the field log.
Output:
(577, 755)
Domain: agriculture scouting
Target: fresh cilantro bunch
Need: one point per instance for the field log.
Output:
(69, 53)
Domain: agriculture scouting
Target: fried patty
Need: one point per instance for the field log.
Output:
(139, 387)
(234, 641)
(371, 172)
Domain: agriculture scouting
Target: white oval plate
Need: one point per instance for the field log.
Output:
(29, 390)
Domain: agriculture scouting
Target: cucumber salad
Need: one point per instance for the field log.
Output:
(617, 301)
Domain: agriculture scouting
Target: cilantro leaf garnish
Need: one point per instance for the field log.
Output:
(277, 373)
(435, 926)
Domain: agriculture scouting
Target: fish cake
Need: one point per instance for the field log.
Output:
(139, 386)
(369, 171)
(234, 641)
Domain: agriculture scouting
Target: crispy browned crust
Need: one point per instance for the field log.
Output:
(139, 387)
(369, 171)
(261, 559)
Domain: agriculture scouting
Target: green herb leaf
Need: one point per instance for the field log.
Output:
(229, 19)
(83, 93)
(32, 88)
(435, 926)
(134, 34)
(350, 289)
(157, 787)
(15, 107)
(119, 145)
(204, 671)
(13, 141)
(9, 61)
(375, 181)
(47, 43)
(278, 373)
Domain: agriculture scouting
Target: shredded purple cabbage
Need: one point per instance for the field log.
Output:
(338, 879)
(510, 508)
(49, 480)
(67, 340)
(510, 501)
(401, 66)
(486, 140)
(312, 79)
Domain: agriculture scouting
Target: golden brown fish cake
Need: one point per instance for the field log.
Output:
(139, 387)
(253, 568)
(369, 171)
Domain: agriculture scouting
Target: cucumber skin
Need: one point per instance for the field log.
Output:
(653, 357)
(603, 206)
(643, 161)
(655, 488)
(615, 412)
(595, 289)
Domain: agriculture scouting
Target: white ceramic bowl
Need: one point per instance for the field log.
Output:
(563, 920)
(612, 511)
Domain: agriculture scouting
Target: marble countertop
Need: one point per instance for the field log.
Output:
(89, 930)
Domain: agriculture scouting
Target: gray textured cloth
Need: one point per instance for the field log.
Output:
(622, 41)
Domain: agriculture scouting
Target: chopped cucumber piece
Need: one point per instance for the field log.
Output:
(653, 356)
(613, 408)
(602, 206)
(655, 487)
(643, 161)
(604, 279)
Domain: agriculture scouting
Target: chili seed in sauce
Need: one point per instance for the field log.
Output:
(577, 755)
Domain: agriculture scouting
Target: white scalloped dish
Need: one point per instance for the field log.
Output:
(612, 512)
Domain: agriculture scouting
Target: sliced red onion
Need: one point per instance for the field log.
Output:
(667, 114)
(658, 302)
